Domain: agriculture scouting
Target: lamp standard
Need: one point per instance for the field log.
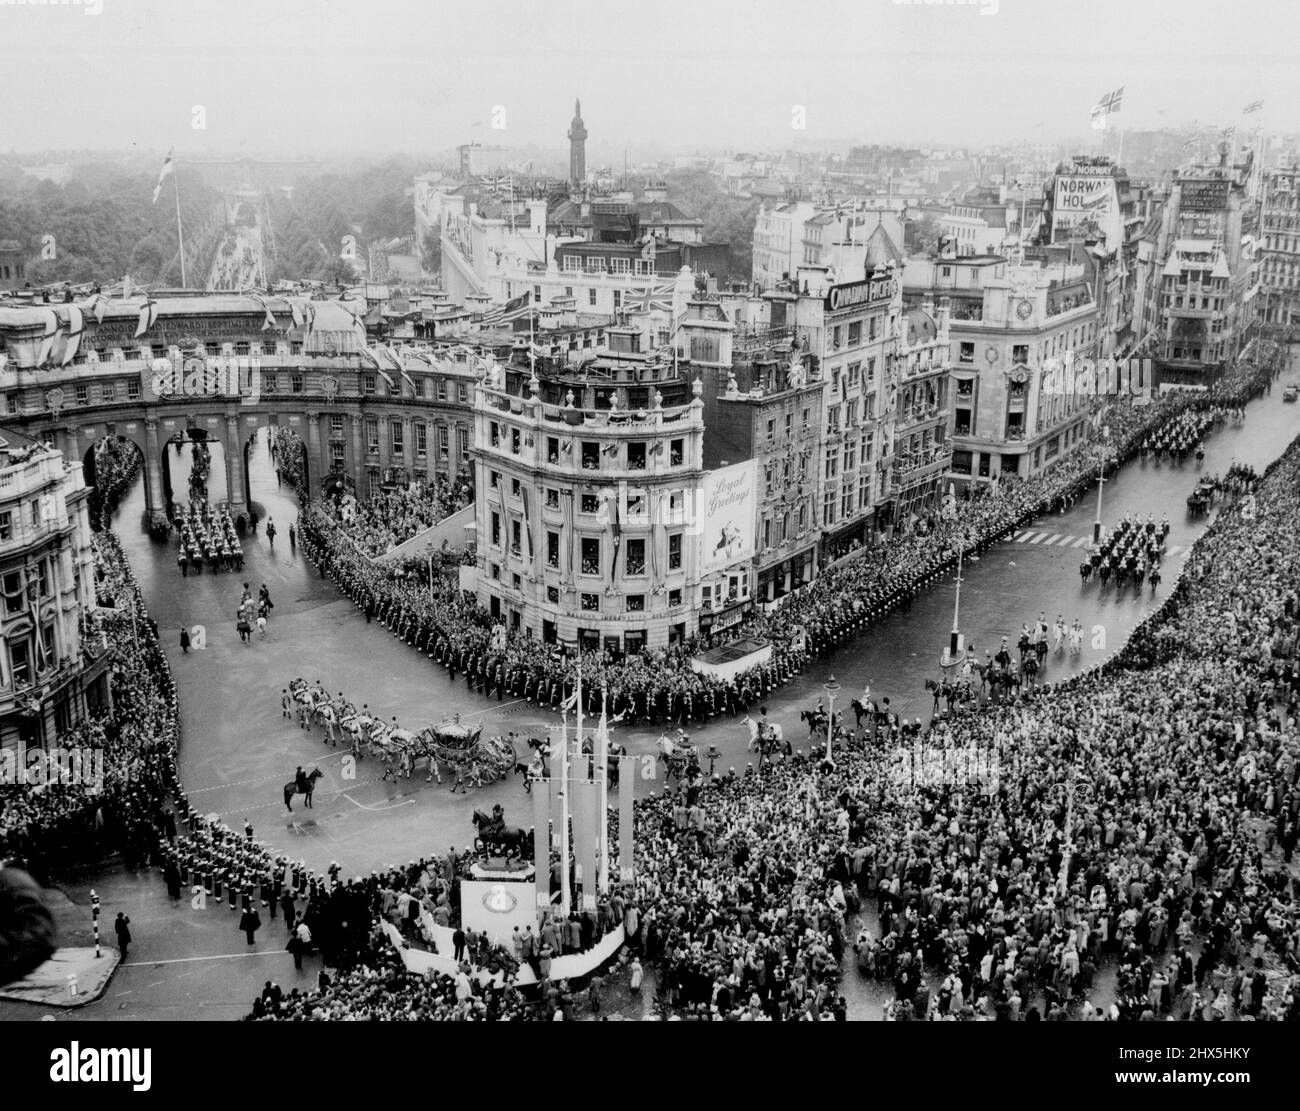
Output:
(1101, 482)
(832, 688)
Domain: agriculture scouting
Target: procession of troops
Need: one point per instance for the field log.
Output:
(207, 537)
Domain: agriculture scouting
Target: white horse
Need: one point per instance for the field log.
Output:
(766, 739)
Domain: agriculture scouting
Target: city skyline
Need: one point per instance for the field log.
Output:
(398, 77)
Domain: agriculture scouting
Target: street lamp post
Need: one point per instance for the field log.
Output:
(832, 688)
(1101, 482)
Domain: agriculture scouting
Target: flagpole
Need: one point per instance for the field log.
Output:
(180, 237)
(602, 770)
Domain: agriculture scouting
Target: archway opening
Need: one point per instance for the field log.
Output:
(193, 471)
(110, 467)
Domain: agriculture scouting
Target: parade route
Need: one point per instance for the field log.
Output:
(238, 749)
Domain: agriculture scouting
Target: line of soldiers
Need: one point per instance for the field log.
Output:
(210, 536)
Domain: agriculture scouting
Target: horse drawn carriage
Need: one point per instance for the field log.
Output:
(464, 750)
(678, 755)
(1198, 502)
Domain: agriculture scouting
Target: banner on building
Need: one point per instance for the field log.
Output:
(726, 504)
(584, 809)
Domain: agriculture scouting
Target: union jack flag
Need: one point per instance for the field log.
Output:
(649, 297)
(510, 311)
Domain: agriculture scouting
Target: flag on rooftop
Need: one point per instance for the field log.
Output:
(163, 175)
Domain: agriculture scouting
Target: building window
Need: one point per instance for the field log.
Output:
(395, 437)
(553, 595)
(494, 479)
(83, 393)
(462, 393)
(846, 502)
(635, 557)
(675, 597)
(496, 530)
(676, 452)
(850, 455)
(443, 438)
(590, 556)
(591, 296)
(832, 420)
(516, 538)
(12, 585)
(338, 452)
(864, 491)
(6, 526)
(368, 384)
(855, 333)
(107, 391)
(855, 373)
(462, 436)
(590, 456)
(552, 499)
(591, 603)
(372, 436)
(832, 462)
(828, 508)
(132, 389)
(553, 549)
(590, 503)
(20, 661)
(966, 353)
(421, 438)
(636, 603)
(514, 487)
(675, 551)
(440, 390)
(636, 456)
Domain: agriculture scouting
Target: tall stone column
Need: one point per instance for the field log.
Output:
(234, 447)
(155, 502)
(358, 455)
(317, 467)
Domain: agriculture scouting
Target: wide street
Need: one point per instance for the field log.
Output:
(238, 750)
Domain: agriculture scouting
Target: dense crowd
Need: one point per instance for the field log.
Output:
(126, 811)
(116, 465)
(392, 518)
(1141, 819)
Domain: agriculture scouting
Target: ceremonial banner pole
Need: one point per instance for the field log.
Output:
(542, 845)
(602, 773)
(564, 818)
(94, 916)
(626, 772)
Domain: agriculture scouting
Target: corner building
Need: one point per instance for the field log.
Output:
(589, 478)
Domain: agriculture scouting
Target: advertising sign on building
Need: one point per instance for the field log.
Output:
(1204, 196)
(725, 512)
(1085, 198)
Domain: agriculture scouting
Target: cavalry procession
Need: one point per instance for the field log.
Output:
(208, 538)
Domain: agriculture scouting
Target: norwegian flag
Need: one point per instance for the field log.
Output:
(650, 297)
(1105, 106)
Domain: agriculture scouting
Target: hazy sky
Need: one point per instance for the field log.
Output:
(300, 76)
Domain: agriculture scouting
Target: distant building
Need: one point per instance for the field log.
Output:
(13, 264)
(1005, 322)
(1279, 248)
(1208, 279)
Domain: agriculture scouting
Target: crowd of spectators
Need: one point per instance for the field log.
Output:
(394, 516)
